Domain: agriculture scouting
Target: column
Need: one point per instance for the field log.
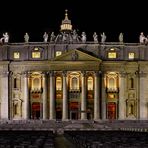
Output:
(52, 96)
(65, 98)
(122, 80)
(44, 80)
(96, 97)
(83, 99)
(5, 95)
(26, 96)
(103, 107)
(142, 96)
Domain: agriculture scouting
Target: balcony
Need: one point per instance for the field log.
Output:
(116, 90)
(74, 94)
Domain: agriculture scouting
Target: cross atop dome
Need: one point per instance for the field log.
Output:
(66, 23)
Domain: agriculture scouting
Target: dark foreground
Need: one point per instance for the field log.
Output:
(73, 139)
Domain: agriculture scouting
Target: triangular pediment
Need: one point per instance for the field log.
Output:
(76, 55)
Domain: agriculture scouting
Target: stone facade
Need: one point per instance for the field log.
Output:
(74, 81)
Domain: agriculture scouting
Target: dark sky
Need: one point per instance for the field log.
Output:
(109, 16)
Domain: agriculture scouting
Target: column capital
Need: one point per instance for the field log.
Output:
(123, 74)
(26, 74)
(6, 73)
(44, 73)
(97, 73)
(51, 73)
(141, 74)
(64, 73)
(83, 73)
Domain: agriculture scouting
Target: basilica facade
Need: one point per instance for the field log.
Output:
(69, 78)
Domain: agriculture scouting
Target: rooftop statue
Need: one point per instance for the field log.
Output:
(45, 36)
(121, 37)
(5, 37)
(64, 37)
(83, 38)
(142, 38)
(58, 38)
(75, 36)
(52, 37)
(26, 37)
(103, 37)
(95, 36)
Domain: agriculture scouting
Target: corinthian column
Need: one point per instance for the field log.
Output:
(44, 78)
(122, 96)
(52, 96)
(142, 98)
(83, 99)
(96, 97)
(5, 95)
(103, 98)
(65, 98)
(26, 96)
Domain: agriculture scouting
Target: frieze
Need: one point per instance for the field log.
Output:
(75, 67)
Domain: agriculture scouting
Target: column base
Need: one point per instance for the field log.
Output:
(97, 120)
(65, 119)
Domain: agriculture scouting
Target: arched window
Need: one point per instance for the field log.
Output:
(112, 83)
(90, 83)
(131, 83)
(36, 84)
(74, 83)
(58, 83)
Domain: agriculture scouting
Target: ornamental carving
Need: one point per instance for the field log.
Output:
(74, 56)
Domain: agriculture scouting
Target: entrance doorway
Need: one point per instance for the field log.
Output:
(59, 113)
(111, 107)
(74, 115)
(36, 110)
(74, 110)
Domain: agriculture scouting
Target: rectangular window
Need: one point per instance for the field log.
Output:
(112, 55)
(58, 53)
(16, 55)
(36, 55)
(131, 55)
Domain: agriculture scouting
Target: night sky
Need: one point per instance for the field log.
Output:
(109, 16)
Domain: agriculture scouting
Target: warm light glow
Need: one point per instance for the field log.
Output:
(36, 49)
(36, 83)
(131, 55)
(112, 55)
(90, 83)
(112, 83)
(58, 53)
(66, 27)
(74, 81)
(36, 54)
(16, 55)
(112, 49)
(58, 83)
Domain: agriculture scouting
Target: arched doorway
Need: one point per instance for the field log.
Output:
(74, 110)
(111, 107)
(36, 110)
